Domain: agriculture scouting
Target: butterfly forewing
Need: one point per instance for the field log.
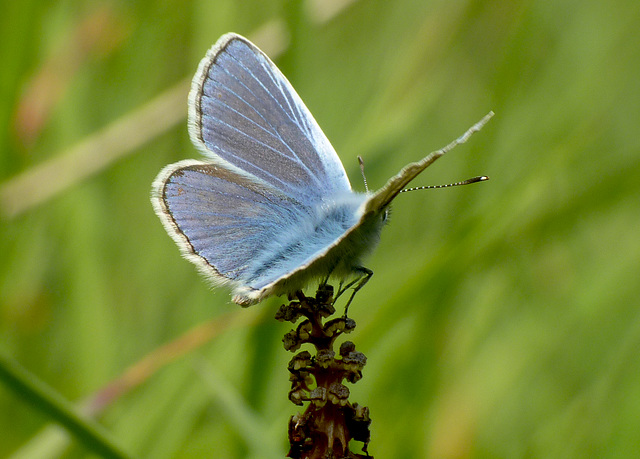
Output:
(245, 113)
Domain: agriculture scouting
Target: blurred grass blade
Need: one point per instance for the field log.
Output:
(96, 152)
(254, 429)
(50, 440)
(321, 11)
(97, 34)
(45, 399)
(159, 358)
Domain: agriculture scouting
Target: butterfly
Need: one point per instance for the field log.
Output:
(270, 209)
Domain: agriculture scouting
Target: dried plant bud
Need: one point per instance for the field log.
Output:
(300, 360)
(318, 396)
(324, 295)
(347, 347)
(324, 358)
(296, 397)
(334, 327)
(338, 393)
(304, 331)
(355, 360)
(291, 341)
(289, 312)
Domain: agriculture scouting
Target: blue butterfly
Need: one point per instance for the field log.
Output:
(271, 207)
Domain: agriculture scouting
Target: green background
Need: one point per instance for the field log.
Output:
(503, 318)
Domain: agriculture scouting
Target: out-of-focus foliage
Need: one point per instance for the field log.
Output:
(503, 318)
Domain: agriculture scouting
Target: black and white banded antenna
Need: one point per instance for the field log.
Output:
(481, 178)
(364, 177)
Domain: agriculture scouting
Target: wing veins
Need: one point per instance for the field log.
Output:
(227, 106)
(253, 166)
(300, 119)
(292, 119)
(274, 134)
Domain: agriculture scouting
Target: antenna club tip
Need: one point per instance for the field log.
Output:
(483, 178)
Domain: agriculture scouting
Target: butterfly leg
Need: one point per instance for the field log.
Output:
(343, 288)
(365, 275)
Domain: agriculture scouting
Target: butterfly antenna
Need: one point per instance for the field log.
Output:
(482, 178)
(364, 177)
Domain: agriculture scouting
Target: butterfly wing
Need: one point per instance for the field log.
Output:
(245, 116)
(221, 220)
(249, 216)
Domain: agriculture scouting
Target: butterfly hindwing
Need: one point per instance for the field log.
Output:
(221, 220)
(241, 232)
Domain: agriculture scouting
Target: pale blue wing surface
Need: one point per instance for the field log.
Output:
(224, 218)
(236, 230)
(245, 115)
